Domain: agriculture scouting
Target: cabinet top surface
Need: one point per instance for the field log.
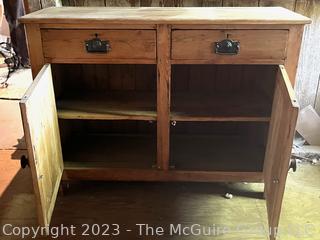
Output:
(166, 15)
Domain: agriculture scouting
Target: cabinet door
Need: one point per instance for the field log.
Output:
(40, 123)
(280, 139)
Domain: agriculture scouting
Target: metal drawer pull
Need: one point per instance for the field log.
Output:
(96, 45)
(24, 161)
(227, 47)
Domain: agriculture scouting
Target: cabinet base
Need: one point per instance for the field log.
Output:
(77, 172)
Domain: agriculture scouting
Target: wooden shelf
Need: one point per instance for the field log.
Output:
(110, 151)
(220, 107)
(121, 105)
(216, 153)
(132, 157)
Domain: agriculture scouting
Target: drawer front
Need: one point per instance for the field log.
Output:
(255, 45)
(59, 45)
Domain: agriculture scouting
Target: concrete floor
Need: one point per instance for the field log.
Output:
(156, 204)
(160, 204)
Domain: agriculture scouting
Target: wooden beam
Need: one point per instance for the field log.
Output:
(279, 146)
(294, 45)
(26, 6)
(75, 171)
(163, 95)
(289, 4)
(32, 5)
(122, 3)
(242, 3)
(35, 47)
(211, 3)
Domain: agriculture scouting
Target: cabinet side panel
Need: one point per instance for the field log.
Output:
(35, 48)
(293, 51)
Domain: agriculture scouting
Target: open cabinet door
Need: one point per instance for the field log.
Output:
(280, 140)
(40, 123)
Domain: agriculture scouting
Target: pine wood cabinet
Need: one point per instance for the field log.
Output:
(161, 94)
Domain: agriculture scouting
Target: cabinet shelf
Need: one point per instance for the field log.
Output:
(111, 151)
(121, 105)
(216, 153)
(219, 107)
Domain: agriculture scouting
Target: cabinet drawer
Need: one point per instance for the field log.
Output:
(254, 45)
(64, 45)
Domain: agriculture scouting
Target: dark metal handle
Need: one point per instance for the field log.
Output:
(24, 161)
(96, 45)
(227, 47)
(293, 165)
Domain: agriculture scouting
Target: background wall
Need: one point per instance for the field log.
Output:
(308, 75)
(34, 5)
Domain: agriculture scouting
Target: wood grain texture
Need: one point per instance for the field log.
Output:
(200, 45)
(125, 44)
(211, 118)
(163, 95)
(41, 129)
(122, 3)
(77, 172)
(228, 61)
(102, 3)
(186, 15)
(211, 3)
(288, 4)
(100, 61)
(96, 26)
(197, 105)
(32, 5)
(120, 106)
(281, 132)
(35, 5)
(293, 52)
(242, 3)
(127, 86)
(226, 27)
(26, 5)
(80, 3)
(35, 48)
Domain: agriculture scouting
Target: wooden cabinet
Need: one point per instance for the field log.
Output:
(161, 94)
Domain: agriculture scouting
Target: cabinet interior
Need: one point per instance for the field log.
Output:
(218, 146)
(105, 92)
(222, 92)
(111, 144)
(220, 115)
